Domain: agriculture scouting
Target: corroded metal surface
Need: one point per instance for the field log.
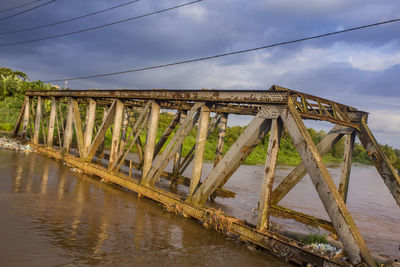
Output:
(229, 101)
(126, 116)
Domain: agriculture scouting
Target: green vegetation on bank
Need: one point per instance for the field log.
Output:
(13, 85)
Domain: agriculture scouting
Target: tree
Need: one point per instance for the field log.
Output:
(14, 73)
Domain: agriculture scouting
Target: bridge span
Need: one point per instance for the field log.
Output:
(71, 125)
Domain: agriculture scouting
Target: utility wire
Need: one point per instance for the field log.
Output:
(69, 20)
(27, 10)
(230, 53)
(18, 6)
(100, 26)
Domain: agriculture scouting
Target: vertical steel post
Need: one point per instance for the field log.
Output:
(78, 126)
(52, 118)
(68, 128)
(200, 146)
(151, 139)
(125, 122)
(90, 118)
(116, 133)
(32, 119)
(100, 151)
(61, 118)
(178, 154)
(38, 118)
(221, 138)
(139, 150)
(346, 165)
(269, 173)
(26, 118)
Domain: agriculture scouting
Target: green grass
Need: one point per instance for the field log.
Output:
(6, 126)
(314, 238)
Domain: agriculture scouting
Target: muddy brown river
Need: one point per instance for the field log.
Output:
(53, 216)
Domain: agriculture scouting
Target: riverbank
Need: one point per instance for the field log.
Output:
(14, 145)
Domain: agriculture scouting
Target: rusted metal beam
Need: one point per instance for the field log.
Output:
(68, 128)
(346, 165)
(286, 213)
(335, 207)
(32, 119)
(313, 107)
(234, 96)
(25, 122)
(381, 162)
(150, 140)
(190, 155)
(178, 179)
(166, 156)
(300, 171)
(44, 121)
(98, 139)
(58, 128)
(200, 147)
(90, 119)
(61, 116)
(221, 138)
(38, 119)
(116, 135)
(124, 129)
(269, 174)
(52, 119)
(135, 133)
(247, 141)
(167, 132)
(232, 101)
(139, 150)
(178, 154)
(78, 127)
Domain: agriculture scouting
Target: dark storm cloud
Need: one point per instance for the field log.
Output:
(364, 62)
(224, 26)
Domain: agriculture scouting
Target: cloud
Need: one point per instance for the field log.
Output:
(358, 68)
(367, 58)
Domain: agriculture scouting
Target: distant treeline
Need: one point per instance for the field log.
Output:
(287, 153)
(13, 85)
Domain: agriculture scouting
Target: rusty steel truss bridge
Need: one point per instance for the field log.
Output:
(71, 125)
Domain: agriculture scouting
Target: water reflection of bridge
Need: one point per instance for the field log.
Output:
(128, 115)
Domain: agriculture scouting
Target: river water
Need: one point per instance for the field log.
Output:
(51, 215)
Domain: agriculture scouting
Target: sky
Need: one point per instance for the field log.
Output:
(360, 68)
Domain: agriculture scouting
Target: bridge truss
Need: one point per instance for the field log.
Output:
(71, 125)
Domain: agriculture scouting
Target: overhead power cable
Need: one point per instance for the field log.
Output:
(19, 6)
(230, 53)
(27, 10)
(100, 26)
(69, 20)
